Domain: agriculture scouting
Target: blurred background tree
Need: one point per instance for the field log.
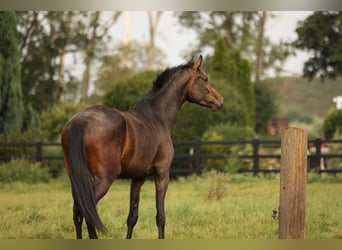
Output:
(320, 34)
(16, 114)
(235, 46)
(332, 125)
(243, 32)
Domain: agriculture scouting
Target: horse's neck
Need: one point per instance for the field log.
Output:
(163, 105)
(167, 103)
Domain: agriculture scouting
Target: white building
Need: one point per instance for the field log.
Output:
(338, 101)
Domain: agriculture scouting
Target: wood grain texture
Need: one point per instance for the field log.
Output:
(293, 183)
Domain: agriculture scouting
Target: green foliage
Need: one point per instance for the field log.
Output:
(11, 104)
(31, 120)
(228, 67)
(221, 67)
(127, 92)
(193, 120)
(54, 118)
(265, 105)
(16, 136)
(245, 86)
(38, 64)
(127, 60)
(218, 185)
(241, 30)
(320, 33)
(294, 115)
(333, 124)
(24, 171)
(226, 132)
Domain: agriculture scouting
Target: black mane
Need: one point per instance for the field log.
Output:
(167, 74)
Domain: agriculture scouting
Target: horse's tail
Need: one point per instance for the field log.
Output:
(82, 180)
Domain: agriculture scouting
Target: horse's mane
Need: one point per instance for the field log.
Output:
(164, 77)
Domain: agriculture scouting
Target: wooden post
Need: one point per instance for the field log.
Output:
(255, 156)
(293, 170)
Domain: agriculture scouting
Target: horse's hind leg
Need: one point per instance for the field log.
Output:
(78, 219)
(91, 231)
(134, 206)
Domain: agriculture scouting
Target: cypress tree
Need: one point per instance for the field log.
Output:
(228, 66)
(11, 98)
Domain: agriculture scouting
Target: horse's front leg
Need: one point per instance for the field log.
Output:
(134, 206)
(161, 182)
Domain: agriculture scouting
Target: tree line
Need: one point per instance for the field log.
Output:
(39, 92)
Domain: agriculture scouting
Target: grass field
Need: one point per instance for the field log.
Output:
(212, 206)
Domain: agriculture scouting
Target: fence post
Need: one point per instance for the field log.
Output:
(293, 183)
(197, 156)
(255, 156)
(318, 154)
(39, 151)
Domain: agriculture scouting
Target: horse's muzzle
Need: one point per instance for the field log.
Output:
(217, 104)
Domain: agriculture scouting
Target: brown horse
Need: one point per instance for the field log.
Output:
(101, 144)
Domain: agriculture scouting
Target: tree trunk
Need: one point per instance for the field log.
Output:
(153, 31)
(62, 53)
(260, 47)
(90, 49)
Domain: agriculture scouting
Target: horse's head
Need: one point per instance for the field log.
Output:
(200, 91)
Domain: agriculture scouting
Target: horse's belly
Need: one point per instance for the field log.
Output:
(136, 171)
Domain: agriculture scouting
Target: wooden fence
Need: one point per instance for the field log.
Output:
(324, 156)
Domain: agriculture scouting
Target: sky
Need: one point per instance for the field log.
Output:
(174, 39)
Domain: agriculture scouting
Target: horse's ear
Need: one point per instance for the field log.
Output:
(198, 63)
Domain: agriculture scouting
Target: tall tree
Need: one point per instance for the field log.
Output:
(153, 23)
(114, 67)
(265, 105)
(243, 31)
(94, 40)
(227, 66)
(11, 101)
(63, 50)
(260, 47)
(320, 34)
(89, 54)
(45, 39)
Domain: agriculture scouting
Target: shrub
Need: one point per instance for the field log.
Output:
(332, 124)
(23, 170)
(54, 118)
(226, 132)
(218, 185)
(16, 136)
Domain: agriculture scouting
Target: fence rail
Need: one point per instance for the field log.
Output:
(320, 154)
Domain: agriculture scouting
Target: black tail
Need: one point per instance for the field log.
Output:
(82, 181)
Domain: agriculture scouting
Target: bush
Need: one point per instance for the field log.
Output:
(54, 118)
(16, 136)
(127, 92)
(23, 170)
(333, 124)
(218, 186)
(226, 132)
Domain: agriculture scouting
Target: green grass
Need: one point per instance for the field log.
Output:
(213, 206)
